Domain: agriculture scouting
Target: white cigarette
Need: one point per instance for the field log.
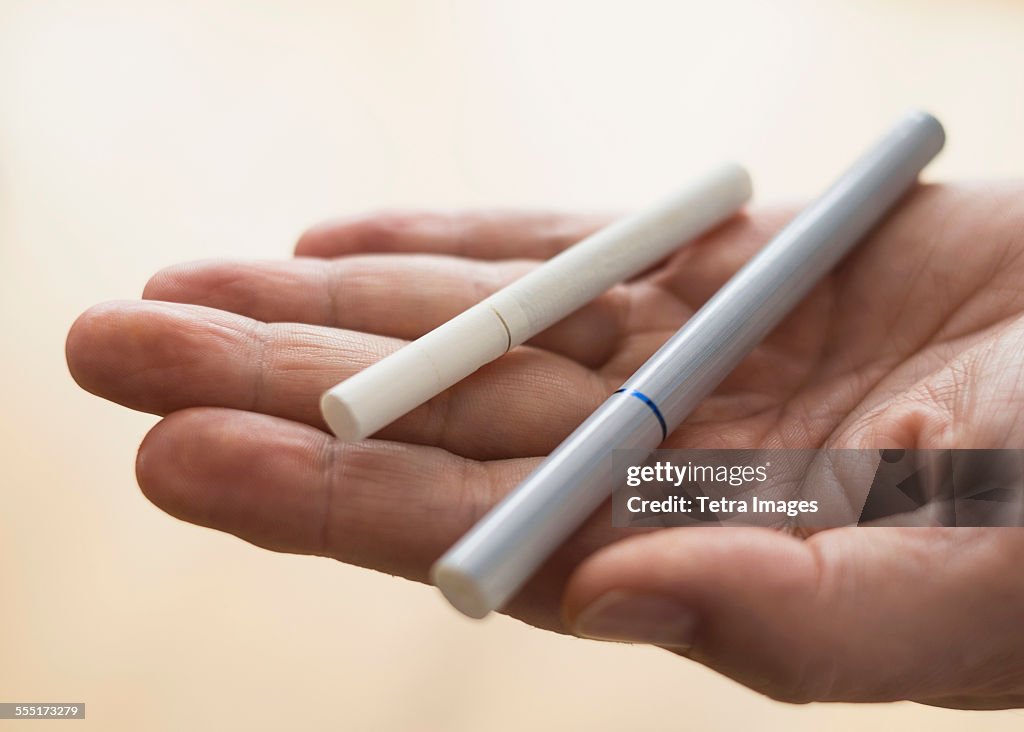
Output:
(379, 394)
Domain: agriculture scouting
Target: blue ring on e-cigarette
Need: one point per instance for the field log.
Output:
(650, 404)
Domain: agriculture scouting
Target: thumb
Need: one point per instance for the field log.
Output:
(848, 615)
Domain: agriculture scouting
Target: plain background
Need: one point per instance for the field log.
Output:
(137, 134)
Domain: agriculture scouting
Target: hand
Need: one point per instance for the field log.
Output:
(916, 340)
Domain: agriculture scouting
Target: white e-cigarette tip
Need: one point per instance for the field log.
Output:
(460, 589)
(340, 418)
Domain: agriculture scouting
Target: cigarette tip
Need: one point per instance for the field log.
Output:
(339, 418)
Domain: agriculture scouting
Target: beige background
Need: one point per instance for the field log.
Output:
(137, 134)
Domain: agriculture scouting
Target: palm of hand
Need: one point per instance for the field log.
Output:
(915, 340)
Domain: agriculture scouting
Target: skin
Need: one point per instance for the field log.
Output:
(915, 340)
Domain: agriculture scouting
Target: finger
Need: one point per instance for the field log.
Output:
(483, 234)
(830, 619)
(162, 357)
(290, 487)
(388, 506)
(402, 296)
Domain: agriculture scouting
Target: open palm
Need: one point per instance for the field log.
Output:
(916, 340)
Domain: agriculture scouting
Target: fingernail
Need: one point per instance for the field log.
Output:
(633, 617)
